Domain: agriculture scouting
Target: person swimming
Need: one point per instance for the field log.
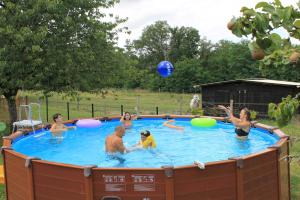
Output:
(126, 120)
(114, 142)
(172, 126)
(147, 140)
(242, 124)
(58, 127)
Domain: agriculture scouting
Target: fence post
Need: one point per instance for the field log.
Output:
(231, 105)
(26, 100)
(47, 114)
(180, 105)
(92, 110)
(156, 110)
(138, 105)
(68, 110)
(121, 110)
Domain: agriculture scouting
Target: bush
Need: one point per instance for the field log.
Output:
(253, 114)
(197, 111)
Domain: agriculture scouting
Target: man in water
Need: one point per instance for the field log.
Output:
(114, 142)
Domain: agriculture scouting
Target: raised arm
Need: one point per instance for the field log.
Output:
(122, 118)
(236, 121)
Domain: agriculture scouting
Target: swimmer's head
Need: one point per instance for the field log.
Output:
(127, 116)
(120, 131)
(145, 134)
(56, 117)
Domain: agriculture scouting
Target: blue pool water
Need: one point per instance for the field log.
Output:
(85, 146)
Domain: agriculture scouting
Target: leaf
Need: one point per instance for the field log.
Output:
(249, 12)
(264, 43)
(252, 46)
(261, 5)
(287, 13)
(276, 20)
(276, 38)
(278, 3)
(297, 23)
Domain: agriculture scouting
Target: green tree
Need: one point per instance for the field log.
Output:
(154, 43)
(54, 46)
(230, 61)
(184, 43)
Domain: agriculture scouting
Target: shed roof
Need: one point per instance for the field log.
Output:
(262, 81)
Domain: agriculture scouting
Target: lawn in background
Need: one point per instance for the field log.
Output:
(134, 101)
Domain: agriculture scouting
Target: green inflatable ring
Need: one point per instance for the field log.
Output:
(2, 126)
(203, 122)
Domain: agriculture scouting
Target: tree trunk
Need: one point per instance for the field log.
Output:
(11, 101)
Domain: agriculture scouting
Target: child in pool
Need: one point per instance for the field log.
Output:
(147, 141)
(57, 128)
(126, 120)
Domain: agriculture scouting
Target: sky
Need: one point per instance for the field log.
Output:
(209, 17)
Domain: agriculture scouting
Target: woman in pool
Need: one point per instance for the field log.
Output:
(126, 120)
(57, 128)
(242, 124)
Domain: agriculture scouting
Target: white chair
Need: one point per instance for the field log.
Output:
(28, 121)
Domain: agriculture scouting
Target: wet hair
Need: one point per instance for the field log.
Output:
(119, 128)
(129, 115)
(55, 116)
(146, 133)
(247, 113)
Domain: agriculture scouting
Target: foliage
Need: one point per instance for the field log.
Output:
(153, 45)
(184, 43)
(196, 60)
(230, 61)
(54, 46)
(284, 111)
(253, 114)
(198, 111)
(278, 67)
(262, 22)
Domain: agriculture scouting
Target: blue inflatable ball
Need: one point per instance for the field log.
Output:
(165, 68)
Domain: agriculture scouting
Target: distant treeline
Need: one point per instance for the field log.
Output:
(196, 60)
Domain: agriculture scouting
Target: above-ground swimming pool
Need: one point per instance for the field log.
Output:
(75, 166)
(174, 147)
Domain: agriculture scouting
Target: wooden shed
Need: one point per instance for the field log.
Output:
(254, 94)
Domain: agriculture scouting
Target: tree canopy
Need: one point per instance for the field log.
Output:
(54, 46)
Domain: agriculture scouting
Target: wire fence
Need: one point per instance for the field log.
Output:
(83, 108)
(135, 105)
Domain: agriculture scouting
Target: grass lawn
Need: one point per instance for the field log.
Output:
(2, 192)
(110, 104)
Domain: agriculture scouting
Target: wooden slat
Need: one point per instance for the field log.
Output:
(16, 183)
(52, 181)
(214, 182)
